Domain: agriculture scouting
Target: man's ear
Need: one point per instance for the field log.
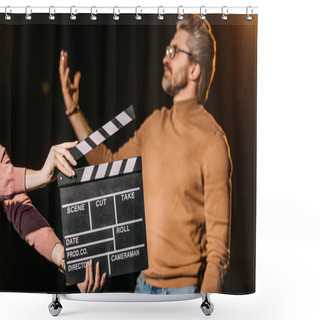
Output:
(195, 71)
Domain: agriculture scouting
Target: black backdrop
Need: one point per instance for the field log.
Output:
(121, 64)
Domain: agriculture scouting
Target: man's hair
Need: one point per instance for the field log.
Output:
(202, 46)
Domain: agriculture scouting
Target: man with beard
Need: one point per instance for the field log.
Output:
(186, 169)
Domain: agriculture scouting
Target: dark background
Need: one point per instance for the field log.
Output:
(121, 64)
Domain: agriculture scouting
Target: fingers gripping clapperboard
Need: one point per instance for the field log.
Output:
(102, 211)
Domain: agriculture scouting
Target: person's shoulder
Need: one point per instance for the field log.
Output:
(162, 111)
(156, 115)
(213, 135)
(209, 124)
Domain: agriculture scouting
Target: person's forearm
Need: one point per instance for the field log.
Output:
(212, 279)
(57, 255)
(46, 242)
(80, 125)
(82, 130)
(35, 179)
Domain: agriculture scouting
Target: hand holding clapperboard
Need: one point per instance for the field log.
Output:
(102, 210)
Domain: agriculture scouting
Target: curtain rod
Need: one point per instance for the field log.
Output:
(180, 10)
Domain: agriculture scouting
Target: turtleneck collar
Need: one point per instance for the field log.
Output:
(186, 108)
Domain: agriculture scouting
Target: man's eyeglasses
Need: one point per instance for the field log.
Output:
(173, 50)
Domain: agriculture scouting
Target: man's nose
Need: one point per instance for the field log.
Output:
(166, 59)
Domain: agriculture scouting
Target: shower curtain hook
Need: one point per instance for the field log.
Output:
(73, 13)
(28, 13)
(224, 13)
(203, 12)
(116, 14)
(6, 15)
(180, 13)
(93, 15)
(160, 15)
(52, 11)
(248, 16)
(138, 16)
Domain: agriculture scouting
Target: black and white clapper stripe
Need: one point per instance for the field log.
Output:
(103, 133)
(101, 171)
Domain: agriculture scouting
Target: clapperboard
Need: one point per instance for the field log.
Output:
(102, 211)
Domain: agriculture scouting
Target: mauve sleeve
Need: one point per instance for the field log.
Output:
(25, 218)
(43, 240)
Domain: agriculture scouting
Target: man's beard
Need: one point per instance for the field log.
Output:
(173, 83)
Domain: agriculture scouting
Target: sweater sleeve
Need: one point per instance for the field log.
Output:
(12, 179)
(217, 171)
(130, 149)
(25, 218)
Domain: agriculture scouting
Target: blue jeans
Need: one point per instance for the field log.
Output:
(143, 287)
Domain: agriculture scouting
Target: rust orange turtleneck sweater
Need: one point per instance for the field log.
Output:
(187, 193)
